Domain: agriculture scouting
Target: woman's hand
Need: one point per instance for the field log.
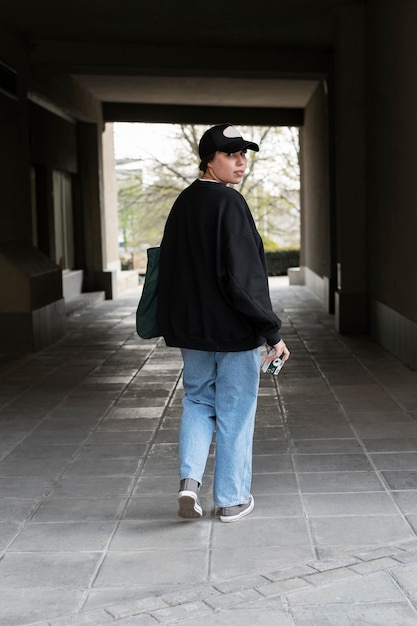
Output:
(277, 350)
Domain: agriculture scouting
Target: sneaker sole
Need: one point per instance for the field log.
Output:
(188, 505)
(228, 519)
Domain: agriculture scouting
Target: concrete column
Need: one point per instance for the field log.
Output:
(110, 220)
(96, 276)
(89, 160)
(316, 244)
(351, 299)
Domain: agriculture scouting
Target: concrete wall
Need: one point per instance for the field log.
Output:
(53, 139)
(315, 199)
(15, 214)
(391, 174)
(46, 123)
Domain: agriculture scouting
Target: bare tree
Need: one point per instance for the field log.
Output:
(270, 185)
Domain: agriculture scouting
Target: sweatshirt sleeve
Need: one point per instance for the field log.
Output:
(247, 284)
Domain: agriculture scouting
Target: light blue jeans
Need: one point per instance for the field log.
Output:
(220, 392)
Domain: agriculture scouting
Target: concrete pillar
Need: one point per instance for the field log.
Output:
(96, 275)
(110, 220)
(351, 299)
(316, 243)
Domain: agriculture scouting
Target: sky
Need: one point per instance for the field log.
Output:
(135, 139)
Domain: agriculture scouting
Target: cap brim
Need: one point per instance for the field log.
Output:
(251, 146)
(240, 144)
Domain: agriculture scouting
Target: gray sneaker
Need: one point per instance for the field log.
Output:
(188, 505)
(234, 513)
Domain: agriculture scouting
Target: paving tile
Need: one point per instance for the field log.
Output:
(261, 532)
(399, 480)
(377, 418)
(269, 433)
(16, 509)
(271, 463)
(26, 605)
(228, 563)
(197, 592)
(270, 446)
(119, 597)
(43, 452)
(394, 430)
(282, 587)
(164, 533)
(372, 613)
(326, 446)
(330, 577)
(328, 482)
(47, 570)
(7, 531)
(379, 553)
(346, 504)
(151, 566)
(184, 612)
(390, 444)
(63, 537)
(94, 486)
(323, 430)
(160, 451)
(331, 462)
(282, 505)
(360, 530)
(375, 565)
(102, 467)
(406, 577)
(149, 485)
(395, 461)
(109, 438)
(50, 468)
(269, 484)
(56, 437)
(406, 501)
(222, 601)
(379, 587)
(167, 435)
(77, 509)
(287, 573)
(115, 451)
(160, 466)
(412, 520)
(337, 551)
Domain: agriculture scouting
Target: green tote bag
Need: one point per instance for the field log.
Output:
(146, 322)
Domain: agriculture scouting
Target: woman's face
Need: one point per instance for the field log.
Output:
(227, 167)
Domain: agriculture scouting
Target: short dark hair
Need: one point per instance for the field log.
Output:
(204, 162)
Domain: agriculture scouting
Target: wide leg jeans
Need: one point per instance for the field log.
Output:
(220, 392)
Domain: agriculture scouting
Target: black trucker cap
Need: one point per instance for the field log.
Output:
(223, 138)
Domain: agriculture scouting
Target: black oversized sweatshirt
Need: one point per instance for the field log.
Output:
(213, 289)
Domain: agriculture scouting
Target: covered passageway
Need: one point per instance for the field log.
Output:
(342, 72)
(89, 413)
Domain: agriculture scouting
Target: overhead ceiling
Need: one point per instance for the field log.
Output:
(220, 53)
(201, 91)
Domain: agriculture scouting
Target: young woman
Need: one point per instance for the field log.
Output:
(214, 304)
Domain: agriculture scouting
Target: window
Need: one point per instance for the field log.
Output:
(63, 220)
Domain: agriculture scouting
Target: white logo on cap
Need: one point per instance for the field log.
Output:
(231, 132)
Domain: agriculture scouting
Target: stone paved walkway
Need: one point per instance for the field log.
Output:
(88, 483)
